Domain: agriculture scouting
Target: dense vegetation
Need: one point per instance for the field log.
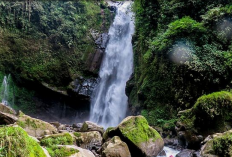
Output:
(182, 51)
(49, 41)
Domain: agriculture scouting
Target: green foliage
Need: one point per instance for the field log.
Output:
(48, 41)
(52, 141)
(197, 35)
(16, 142)
(211, 113)
(58, 139)
(77, 134)
(222, 145)
(19, 97)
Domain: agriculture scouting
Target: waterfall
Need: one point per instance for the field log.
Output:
(109, 101)
(5, 90)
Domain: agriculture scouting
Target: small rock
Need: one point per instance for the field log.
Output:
(63, 131)
(56, 124)
(78, 125)
(81, 153)
(90, 126)
(89, 140)
(185, 153)
(47, 132)
(62, 127)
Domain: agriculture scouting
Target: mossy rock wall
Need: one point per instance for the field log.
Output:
(210, 114)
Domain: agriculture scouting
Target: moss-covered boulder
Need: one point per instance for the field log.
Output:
(53, 144)
(217, 145)
(115, 148)
(88, 139)
(35, 127)
(57, 139)
(142, 139)
(16, 142)
(210, 114)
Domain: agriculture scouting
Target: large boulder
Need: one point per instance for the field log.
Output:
(16, 142)
(90, 126)
(88, 140)
(115, 148)
(210, 114)
(7, 115)
(35, 127)
(136, 130)
(217, 145)
(142, 140)
(7, 118)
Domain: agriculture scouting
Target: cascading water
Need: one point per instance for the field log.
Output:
(4, 90)
(109, 101)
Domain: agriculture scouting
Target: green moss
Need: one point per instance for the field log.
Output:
(57, 139)
(16, 142)
(52, 141)
(55, 151)
(77, 134)
(21, 123)
(215, 105)
(210, 114)
(137, 130)
(222, 145)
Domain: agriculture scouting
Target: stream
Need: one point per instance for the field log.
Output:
(169, 152)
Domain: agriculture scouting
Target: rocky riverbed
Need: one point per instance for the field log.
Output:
(133, 137)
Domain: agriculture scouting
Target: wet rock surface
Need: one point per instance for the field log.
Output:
(115, 148)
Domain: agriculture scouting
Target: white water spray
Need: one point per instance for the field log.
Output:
(4, 90)
(170, 152)
(109, 101)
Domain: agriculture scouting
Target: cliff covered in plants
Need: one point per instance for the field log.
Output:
(54, 45)
(51, 42)
(182, 50)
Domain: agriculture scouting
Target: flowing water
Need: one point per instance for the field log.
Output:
(5, 90)
(109, 101)
(170, 152)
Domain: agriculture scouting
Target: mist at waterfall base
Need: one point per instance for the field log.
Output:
(47, 105)
(109, 101)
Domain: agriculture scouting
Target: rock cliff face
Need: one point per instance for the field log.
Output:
(53, 42)
(57, 45)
